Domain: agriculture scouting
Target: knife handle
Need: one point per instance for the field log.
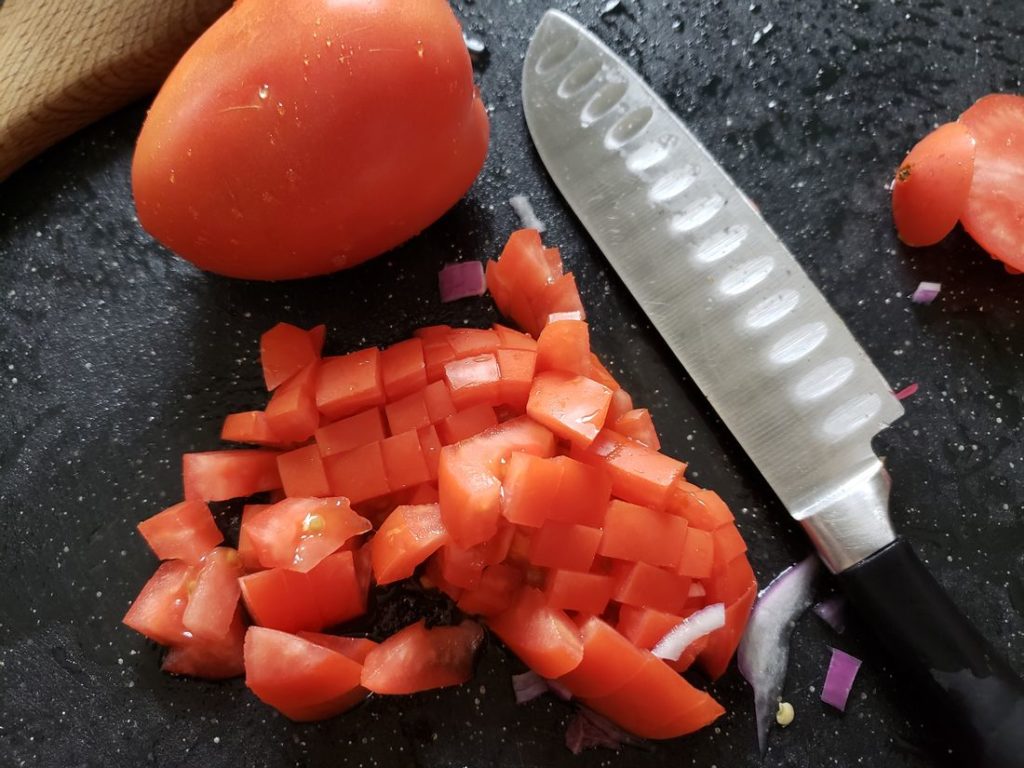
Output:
(67, 64)
(918, 622)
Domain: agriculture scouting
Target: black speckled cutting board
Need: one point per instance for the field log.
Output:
(115, 357)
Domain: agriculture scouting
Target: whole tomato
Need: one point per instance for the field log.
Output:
(300, 137)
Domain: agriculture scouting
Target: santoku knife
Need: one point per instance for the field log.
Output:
(773, 358)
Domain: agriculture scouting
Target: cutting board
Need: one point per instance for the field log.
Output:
(116, 357)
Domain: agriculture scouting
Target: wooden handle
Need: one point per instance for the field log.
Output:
(66, 64)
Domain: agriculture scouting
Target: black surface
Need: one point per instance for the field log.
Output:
(917, 622)
(115, 358)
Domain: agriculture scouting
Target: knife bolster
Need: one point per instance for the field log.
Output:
(851, 522)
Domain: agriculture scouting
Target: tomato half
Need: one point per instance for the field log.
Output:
(931, 186)
(302, 138)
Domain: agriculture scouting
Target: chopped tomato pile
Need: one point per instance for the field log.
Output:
(971, 171)
(509, 471)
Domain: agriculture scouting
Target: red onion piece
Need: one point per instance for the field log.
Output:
(695, 626)
(589, 729)
(926, 293)
(763, 654)
(558, 689)
(842, 671)
(458, 281)
(524, 210)
(528, 686)
(907, 391)
(832, 611)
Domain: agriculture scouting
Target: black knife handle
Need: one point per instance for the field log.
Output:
(918, 622)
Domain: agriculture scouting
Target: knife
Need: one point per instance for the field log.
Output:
(771, 356)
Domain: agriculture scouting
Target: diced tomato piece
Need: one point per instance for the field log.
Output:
(299, 533)
(360, 474)
(419, 659)
(497, 548)
(466, 342)
(465, 424)
(302, 472)
(246, 547)
(729, 580)
(722, 642)
(639, 474)
(701, 508)
(288, 600)
(438, 401)
(657, 703)
(729, 544)
(351, 433)
(223, 475)
(209, 659)
(433, 578)
(646, 586)
(495, 591)
(573, 407)
(409, 412)
(301, 679)
(437, 353)
(355, 648)
(473, 380)
(468, 480)
(403, 370)
(249, 427)
(186, 531)
(284, 351)
(622, 404)
(645, 627)
(404, 464)
(609, 661)
(348, 384)
(583, 592)
(292, 412)
(517, 368)
(512, 339)
(408, 536)
(318, 335)
(564, 545)
(636, 533)
(564, 345)
(157, 611)
(462, 567)
(638, 425)
(525, 263)
(559, 488)
(543, 637)
(430, 445)
(432, 332)
(558, 297)
(553, 257)
(599, 373)
(698, 554)
(213, 595)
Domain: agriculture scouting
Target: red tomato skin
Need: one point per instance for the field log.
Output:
(402, 368)
(186, 531)
(419, 659)
(350, 433)
(722, 642)
(609, 661)
(292, 413)
(542, 636)
(284, 351)
(932, 184)
(223, 475)
(249, 427)
(633, 532)
(994, 212)
(246, 167)
(302, 472)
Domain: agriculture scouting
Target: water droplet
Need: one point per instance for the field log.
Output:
(280, 108)
(419, 48)
(328, 42)
(264, 91)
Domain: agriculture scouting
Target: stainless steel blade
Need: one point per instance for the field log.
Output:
(772, 357)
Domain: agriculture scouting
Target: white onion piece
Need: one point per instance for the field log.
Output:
(693, 627)
(763, 653)
(521, 205)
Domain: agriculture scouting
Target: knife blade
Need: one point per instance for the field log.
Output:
(776, 362)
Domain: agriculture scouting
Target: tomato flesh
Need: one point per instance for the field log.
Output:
(223, 475)
(213, 595)
(186, 531)
(573, 407)
(419, 659)
(284, 351)
(298, 533)
(542, 636)
(408, 536)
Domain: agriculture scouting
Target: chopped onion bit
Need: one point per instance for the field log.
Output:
(521, 205)
(907, 391)
(693, 627)
(589, 729)
(926, 293)
(528, 686)
(832, 611)
(459, 281)
(763, 654)
(842, 670)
